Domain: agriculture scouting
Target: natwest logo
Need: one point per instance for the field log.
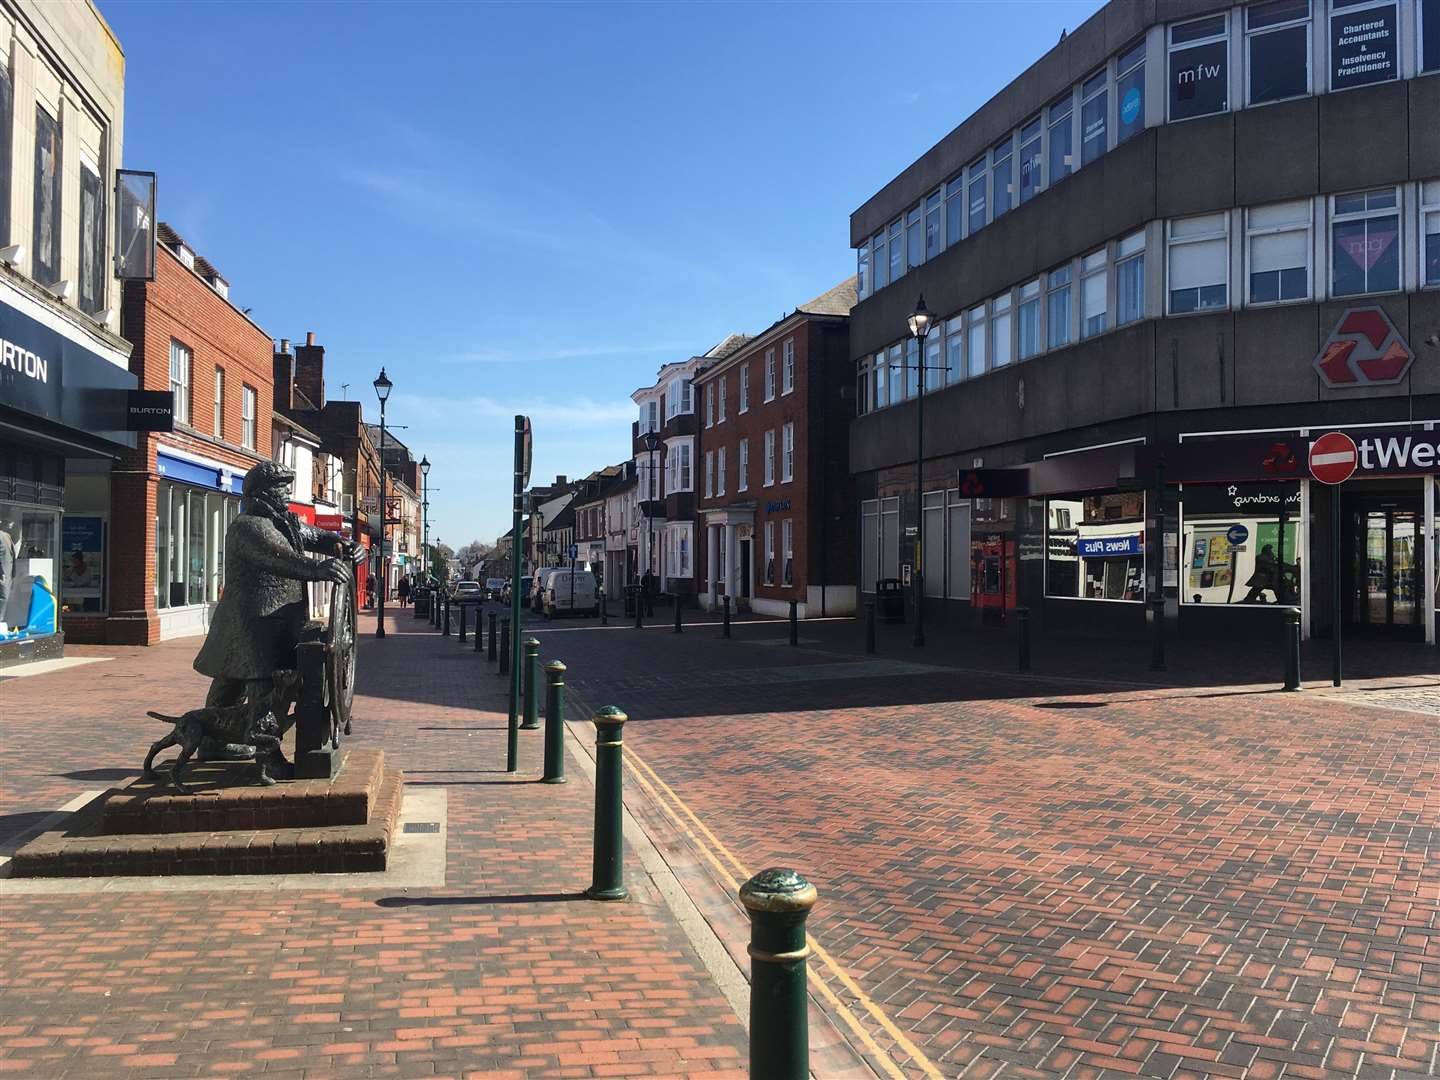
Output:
(1365, 349)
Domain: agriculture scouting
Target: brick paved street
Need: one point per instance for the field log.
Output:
(505, 972)
(1060, 878)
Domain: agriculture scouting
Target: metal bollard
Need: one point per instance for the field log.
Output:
(639, 611)
(607, 881)
(531, 649)
(794, 623)
(1022, 630)
(445, 631)
(778, 901)
(725, 616)
(504, 648)
(494, 615)
(554, 723)
(464, 611)
(1292, 648)
(604, 609)
(870, 627)
(479, 629)
(677, 615)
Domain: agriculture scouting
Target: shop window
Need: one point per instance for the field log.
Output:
(934, 229)
(957, 546)
(975, 340)
(1030, 319)
(1001, 353)
(1430, 231)
(1430, 35)
(955, 349)
(1199, 68)
(1199, 263)
(7, 129)
(29, 548)
(1061, 116)
(915, 236)
(932, 549)
(787, 539)
(1364, 43)
(1094, 101)
(879, 541)
(862, 271)
(1278, 251)
(879, 261)
(1130, 279)
(45, 239)
(1092, 293)
(1095, 547)
(954, 211)
(769, 577)
(975, 179)
(1031, 177)
(1277, 50)
(1057, 312)
(247, 416)
(180, 364)
(934, 360)
(1241, 544)
(1002, 178)
(1130, 92)
(1365, 242)
(92, 240)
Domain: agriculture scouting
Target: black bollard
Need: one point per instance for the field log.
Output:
(504, 648)
(530, 648)
(650, 605)
(1157, 641)
(554, 723)
(494, 615)
(794, 623)
(604, 609)
(638, 611)
(725, 616)
(1022, 631)
(479, 629)
(464, 611)
(1292, 648)
(870, 627)
(445, 630)
(778, 902)
(677, 614)
(607, 881)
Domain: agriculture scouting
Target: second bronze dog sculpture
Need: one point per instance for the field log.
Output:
(224, 724)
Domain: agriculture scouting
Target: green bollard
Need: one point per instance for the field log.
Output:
(607, 881)
(778, 901)
(554, 723)
(531, 649)
(504, 648)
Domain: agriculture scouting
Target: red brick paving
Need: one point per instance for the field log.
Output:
(505, 972)
(1155, 883)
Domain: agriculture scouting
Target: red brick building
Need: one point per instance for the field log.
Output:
(165, 507)
(776, 514)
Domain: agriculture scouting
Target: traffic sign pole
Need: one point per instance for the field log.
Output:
(1335, 598)
(1333, 458)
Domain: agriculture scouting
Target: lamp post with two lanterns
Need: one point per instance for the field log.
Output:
(425, 514)
(382, 391)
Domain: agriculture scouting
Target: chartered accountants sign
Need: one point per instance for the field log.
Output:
(1364, 349)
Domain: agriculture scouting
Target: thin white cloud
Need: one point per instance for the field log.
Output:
(569, 411)
(576, 352)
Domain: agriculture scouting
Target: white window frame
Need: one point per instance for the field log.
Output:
(745, 387)
(720, 402)
(768, 466)
(787, 452)
(897, 236)
(1252, 231)
(720, 471)
(954, 340)
(977, 172)
(769, 374)
(1003, 311)
(862, 270)
(1124, 255)
(709, 474)
(787, 367)
(915, 236)
(709, 405)
(1052, 289)
(769, 568)
(1083, 99)
(787, 552)
(1053, 121)
(686, 483)
(219, 426)
(1171, 244)
(1308, 22)
(1334, 218)
(1171, 48)
(182, 362)
(1429, 204)
(1094, 267)
(879, 260)
(1329, 12)
(934, 205)
(975, 319)
(742, 482)
(1031, 292)
(1420, 67)
(249, 406)
(1038, 122)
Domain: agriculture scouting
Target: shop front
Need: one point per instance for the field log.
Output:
(64, 409)
(196, 501)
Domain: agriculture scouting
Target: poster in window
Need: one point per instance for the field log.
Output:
(1363, 47)
(47, 198)
(1199, 80)
(1130, 90)
(83, 561)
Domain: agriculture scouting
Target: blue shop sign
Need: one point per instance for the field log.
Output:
(1110, 546)
(190, 472)
(777, 506)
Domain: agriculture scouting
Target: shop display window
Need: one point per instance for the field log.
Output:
(1241, 544)
(1095, 547)
(190, 528)
(29, 549)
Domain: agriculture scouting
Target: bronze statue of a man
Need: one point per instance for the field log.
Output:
(258, 621)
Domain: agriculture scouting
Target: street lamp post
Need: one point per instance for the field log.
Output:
(382, 391)
(652, 443)
(920, 320)
(425, 514)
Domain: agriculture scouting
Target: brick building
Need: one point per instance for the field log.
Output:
(775, 501)
(170, 501)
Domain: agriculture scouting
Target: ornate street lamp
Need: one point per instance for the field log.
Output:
(920, 321)
(425, 514)
(382, 391)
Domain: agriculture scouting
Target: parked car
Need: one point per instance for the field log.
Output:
(537, 587)
(495, 586)
(571, 592)
(471, 591)
(505, 592)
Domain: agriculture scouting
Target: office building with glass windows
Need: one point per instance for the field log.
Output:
(1189, 240)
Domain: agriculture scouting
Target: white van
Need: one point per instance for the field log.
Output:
(536, 599)
(561, 599)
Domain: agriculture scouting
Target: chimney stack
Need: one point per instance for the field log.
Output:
(310, 371)
(310, 337)
(284, 370)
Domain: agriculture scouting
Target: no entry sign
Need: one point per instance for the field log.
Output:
(1333, 458)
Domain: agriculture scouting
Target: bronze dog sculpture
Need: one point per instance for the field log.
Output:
(224, 724)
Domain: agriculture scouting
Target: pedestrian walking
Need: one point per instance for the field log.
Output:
(404, 590)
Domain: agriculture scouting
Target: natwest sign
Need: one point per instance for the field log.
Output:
(1364, 349)
(1390, 453)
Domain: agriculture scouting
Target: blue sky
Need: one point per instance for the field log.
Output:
(530, 207)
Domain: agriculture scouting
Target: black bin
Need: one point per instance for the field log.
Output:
(890, 600)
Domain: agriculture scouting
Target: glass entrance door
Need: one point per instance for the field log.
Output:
(1388, 569)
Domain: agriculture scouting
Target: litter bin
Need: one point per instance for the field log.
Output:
(890, 600)
(632, 597)
(421, 600)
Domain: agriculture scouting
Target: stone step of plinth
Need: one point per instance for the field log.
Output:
(226, 798)
(79, 849)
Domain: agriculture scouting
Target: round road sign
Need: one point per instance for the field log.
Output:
(1237, 535)
(1333, 458)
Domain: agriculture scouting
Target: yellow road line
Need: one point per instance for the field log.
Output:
(637, 763)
